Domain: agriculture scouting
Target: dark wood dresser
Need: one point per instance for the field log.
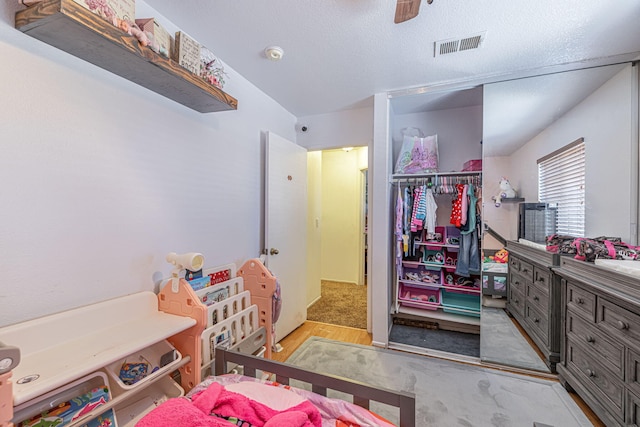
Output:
(601, 345)
(534, 298)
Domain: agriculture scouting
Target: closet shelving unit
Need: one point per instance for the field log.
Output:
(427, 288)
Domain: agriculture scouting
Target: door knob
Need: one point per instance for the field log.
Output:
(274, 251)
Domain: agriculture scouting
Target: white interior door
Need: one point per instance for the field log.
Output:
(286, 227)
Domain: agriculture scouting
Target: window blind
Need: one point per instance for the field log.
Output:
(561, 180)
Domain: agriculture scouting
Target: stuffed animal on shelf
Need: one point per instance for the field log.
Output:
(506, 192)
(502, 256)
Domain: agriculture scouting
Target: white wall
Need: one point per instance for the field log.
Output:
(348, 128)
(314, 230)
(459, 133)
(101, 178)
(502, 219)
(605, 121)
(380, 237)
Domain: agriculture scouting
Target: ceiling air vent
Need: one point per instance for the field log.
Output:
(443, 47)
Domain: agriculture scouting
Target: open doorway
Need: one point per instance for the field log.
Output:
(337, 221)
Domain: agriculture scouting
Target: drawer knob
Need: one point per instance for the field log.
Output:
(591, 373)
(622, 325)
(540, 279)
(580, 300)
(525, 270)
(536, 298)
(591, 339)
(536, 320)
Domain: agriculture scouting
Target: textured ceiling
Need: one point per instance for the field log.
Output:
(338, 53)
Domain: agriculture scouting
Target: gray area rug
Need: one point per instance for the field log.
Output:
(447, 393)
(501, 342)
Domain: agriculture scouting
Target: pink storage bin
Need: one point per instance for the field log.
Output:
(418, 296)
(437, 240)
(450, 260)
(452, 238)
(422, 275)
(462, 285)
(472, 165)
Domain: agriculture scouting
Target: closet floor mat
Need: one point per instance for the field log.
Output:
(436, 339)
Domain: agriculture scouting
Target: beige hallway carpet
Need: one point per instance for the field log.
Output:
(340, 303)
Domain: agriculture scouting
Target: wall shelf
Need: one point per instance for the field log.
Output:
(72, 28)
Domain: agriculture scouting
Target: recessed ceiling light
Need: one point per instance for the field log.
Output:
(274, 53)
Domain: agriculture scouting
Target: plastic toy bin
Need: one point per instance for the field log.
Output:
(460, 303)
(66, 402)
(495, 278)
(129, 413)
(159, 359)
(423, 275)
(418, 296)
(452, 238)
(434, 242)
(459, 284)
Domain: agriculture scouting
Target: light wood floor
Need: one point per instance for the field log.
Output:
(291, 342)
(359, 336)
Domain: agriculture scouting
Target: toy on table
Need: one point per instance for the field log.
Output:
(506, 192)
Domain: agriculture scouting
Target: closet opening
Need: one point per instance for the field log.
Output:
(436, 152)
(437, 306)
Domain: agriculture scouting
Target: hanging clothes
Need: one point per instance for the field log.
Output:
(417, 214)
(469, 251)
(470, 223)
(399, 232)
(430, 212)
(406, 224)
(456, 207)
(465, 205)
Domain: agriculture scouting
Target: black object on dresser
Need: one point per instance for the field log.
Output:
(601, 346)
(534, 297)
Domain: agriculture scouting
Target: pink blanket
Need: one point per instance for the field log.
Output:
(215, 399)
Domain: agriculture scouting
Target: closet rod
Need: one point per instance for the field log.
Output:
(418, 177)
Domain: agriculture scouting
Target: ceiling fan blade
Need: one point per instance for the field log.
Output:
(406, 9)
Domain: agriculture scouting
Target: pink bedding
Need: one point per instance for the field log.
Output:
(238, 400)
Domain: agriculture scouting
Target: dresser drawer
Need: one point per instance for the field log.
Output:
(604, 385)
(581, 301)
(608, 352)
(514, 263)
(538, 298)
(619, 322)
(633, 410)
(633, 371)
(526, 270)
(539, 322)
(516, 302)
(518, 283)
(542, 279)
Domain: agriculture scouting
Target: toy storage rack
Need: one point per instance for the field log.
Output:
(61, 348)
(135, 324)
(196, 341)
(448, 254)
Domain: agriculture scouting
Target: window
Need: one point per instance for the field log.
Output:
(561, 181)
